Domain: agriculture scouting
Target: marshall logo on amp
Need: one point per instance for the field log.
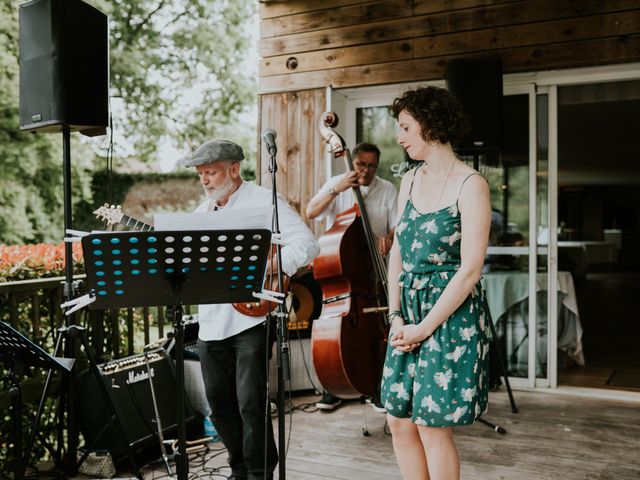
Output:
(140, 376)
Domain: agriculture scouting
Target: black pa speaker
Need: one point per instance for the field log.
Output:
(127, 381)
(64, 67)
(477, 84)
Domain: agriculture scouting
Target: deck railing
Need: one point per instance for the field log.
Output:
(33, 308)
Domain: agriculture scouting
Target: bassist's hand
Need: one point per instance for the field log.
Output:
(350, 180)
(384, 244)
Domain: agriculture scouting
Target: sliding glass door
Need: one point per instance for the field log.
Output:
(533, 302)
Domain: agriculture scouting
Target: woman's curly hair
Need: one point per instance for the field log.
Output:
(436, 110)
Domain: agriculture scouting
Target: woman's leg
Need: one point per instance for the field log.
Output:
(408, 448)
(441, 451)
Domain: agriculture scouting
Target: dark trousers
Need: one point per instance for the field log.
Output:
(235, 379)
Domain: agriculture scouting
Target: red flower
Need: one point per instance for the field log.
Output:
(20, 262)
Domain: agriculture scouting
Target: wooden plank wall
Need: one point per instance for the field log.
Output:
(349, 43)
(307, 45)
(300, 157)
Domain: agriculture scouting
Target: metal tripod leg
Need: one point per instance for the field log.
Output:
(43, 397)
(163, 449)
(503, 370)
(497, 428)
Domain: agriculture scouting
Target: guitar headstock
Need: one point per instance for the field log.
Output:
(111, 215)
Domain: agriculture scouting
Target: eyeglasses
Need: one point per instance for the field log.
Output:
(363, 166)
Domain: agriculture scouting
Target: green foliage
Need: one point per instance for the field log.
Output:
(179, 71)
(179, 68)
(112, 187)
(31, 181)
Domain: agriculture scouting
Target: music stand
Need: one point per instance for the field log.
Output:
(16, 353)
(174, 268)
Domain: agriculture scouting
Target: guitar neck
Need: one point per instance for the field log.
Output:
(134, 224)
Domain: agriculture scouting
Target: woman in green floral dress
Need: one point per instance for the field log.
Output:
(435, 372)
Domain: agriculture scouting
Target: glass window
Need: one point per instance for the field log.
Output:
(375, 125)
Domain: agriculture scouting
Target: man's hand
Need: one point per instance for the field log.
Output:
(349, 180)
(384, 244)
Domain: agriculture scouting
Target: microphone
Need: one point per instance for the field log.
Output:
(269, 138)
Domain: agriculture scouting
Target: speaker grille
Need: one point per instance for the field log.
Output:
(64, 66)
(477, 84)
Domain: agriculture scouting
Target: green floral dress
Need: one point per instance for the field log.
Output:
(444, 381)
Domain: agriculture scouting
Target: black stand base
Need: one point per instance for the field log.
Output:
(497, 428)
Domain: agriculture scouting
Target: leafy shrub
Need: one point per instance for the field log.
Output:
(23, 262)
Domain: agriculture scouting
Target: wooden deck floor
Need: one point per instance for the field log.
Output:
(552, 437)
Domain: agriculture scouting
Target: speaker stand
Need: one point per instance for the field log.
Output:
(68, 384)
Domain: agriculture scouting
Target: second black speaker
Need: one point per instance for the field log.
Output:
(64, 67)
(477, 84)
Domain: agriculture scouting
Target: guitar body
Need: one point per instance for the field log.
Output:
(261, 308)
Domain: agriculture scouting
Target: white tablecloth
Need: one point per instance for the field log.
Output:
(506, 292)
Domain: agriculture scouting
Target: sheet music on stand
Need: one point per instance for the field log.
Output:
(236, 219)
(138, 269)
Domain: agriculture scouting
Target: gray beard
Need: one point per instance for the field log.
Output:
(220, 192)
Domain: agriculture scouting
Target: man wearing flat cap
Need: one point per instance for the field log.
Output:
(233, 347)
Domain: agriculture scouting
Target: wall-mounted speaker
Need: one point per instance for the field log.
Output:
(64, 67)
(477, 84)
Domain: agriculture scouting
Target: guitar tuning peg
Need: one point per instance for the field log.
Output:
(119, 207)
(113, 206)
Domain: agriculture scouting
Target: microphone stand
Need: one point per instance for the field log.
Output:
(282, 355)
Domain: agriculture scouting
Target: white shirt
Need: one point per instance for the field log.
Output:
(220, 321)
(380, 199)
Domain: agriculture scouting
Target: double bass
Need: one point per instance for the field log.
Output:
(348, 340)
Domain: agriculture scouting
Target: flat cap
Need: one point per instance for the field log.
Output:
(213, 151)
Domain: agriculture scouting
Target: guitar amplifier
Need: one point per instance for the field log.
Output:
(128, 383)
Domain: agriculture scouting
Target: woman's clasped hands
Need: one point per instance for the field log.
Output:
(406, 337)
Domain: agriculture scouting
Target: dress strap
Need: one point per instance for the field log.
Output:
(464, 181)
(414, 177)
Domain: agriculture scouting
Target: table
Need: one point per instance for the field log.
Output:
(508, 299)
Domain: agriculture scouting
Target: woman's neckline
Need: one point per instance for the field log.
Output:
(433, 211)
